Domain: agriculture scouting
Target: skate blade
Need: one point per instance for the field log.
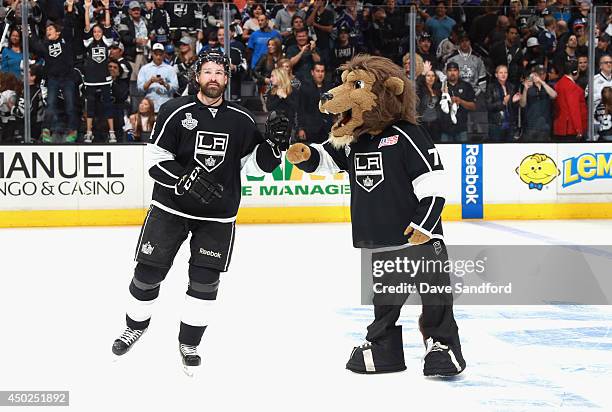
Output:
(190, 370)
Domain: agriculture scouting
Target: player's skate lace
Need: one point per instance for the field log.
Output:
(434, 347)
(189, 350)
(130, 335)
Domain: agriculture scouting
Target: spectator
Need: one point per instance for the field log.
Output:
(157, 79)
(419, 67)
(321, 20)
(185, 59)
(603, 114)
(396, 18)
(350, 18)
(603, 47)
(303, 55)
(282, 97)
(57, 53)
(283, 22)
(182, 14)
(561, 11)
(343, 51)
(158, 20)
(258, 41)
(457, 99)
(134, 34)
(425, 51)
(97, 79)
(141, 122)
(567, 54)
(547, 37)
(536, 100)
(533, 56)
(562, 32)
(297, 24)
(440, 25)
(11, 89)
(583, 72)
(502, 99)
(267, 63)
(484, 24)
(313, 126)
(120, 96)
(470, 65)
(554, 74)
(12, 55)
(499, 32)
(116, 53)
(570, 122)
(429, 91)
(582, 37)
(603, 78)
(238, 63)
(252, 24)
(508, 52)
(37, 103)
(449, 45)
(285, 64)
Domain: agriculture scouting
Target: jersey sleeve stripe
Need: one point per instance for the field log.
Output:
(161, 132)
(326, 163)
(241, 111)
(415, 147)
(169, 173)
(429, 184)
(433, 200)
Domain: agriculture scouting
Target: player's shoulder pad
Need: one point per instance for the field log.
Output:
(243, 112)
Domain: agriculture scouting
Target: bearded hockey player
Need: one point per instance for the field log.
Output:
(197, 149)
(396, 202)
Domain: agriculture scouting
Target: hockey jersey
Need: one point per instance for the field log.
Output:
(604, 120)
(396, 180)
(97, 52)
(471, 69)
(222, 140)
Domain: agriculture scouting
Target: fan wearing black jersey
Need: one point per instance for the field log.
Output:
(197, 149)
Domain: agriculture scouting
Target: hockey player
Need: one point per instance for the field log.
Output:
(396, 204)
(198, 146)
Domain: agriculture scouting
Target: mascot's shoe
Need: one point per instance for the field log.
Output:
(383, 355)
(442, 360)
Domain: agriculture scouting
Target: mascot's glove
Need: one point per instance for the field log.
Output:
(298, 153)
(198, 185)
(417, 237)
(277, 131)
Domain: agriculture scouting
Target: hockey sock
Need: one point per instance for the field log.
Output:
(144, 290)
(199, 303)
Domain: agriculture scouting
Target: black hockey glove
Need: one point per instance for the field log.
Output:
(198, 185)
(277, 131)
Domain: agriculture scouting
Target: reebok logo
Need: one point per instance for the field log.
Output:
(210, 253)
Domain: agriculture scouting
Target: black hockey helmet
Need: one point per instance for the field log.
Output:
(215, 56)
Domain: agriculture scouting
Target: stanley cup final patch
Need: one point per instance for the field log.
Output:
(369, 171)
(210, 149)
(189, 122)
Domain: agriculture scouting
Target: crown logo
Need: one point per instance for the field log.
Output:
(147, 248)
(189, 122)
(368, 182)
(210, 161)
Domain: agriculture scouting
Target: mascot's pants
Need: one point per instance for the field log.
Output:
(437, 320)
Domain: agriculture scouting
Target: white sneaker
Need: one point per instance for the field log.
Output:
(88, 137)
(111, 137)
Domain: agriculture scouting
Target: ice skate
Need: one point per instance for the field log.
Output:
(127, 339)
(190, 358)
(441, 360)
(383, 355)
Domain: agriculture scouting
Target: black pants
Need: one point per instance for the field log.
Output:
(437, 319)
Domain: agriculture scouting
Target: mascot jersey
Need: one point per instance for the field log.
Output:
(396, 180)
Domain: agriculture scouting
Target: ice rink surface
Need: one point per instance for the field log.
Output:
(288, 315)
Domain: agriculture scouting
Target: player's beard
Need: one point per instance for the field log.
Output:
(212, 92)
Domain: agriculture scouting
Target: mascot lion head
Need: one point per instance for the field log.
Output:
(374, 94)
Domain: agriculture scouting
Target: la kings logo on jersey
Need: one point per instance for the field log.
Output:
(180, 9)
(189, 122)
(369, 171)
(98, 54)
(210, 149)
(55, 49)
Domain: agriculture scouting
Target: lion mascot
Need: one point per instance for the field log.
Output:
(396, 179)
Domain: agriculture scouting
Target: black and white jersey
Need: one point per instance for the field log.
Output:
(182, 14)
(97, 52)
(221, 139)
(396, 180)
(604, 119)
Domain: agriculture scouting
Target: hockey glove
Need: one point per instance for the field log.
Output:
(277, 131)
(198, 185)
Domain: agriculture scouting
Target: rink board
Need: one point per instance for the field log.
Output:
(108, 185)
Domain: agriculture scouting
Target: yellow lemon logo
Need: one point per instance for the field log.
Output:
(537, 170)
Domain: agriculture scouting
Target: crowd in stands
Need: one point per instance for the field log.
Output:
(492, 70)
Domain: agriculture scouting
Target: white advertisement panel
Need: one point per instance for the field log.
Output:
(585, 169)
